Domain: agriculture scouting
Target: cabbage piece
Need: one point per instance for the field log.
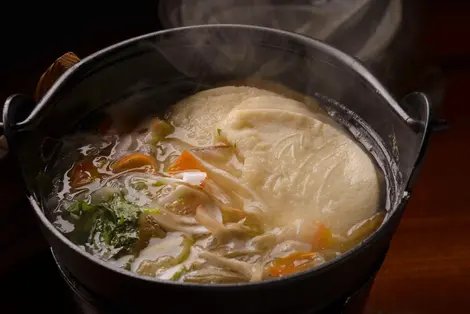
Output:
(174, 222)
(150, 268)
(214, 275)
(242, 268)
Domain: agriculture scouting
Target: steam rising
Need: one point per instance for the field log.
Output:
(315, 18)
(366, 29)
(222, 51)
(229, 52)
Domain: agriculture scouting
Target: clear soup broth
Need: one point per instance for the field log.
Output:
(233, 184)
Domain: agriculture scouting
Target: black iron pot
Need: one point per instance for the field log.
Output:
(155, 70)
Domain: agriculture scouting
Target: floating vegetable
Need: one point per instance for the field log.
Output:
(361, 231)
(148, 228)
(111, 227)
(177, 275)
(193, 177)
(150, 268)
(186, 161)
(134, 162)
(161, 129)
(293, 263)
(322, 238)
(83, 173)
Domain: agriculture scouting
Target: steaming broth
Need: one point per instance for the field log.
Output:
(234, 184)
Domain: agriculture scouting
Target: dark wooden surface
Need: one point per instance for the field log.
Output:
(428, 267)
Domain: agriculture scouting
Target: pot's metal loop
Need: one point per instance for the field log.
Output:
(3, 143)
(18, 107)
(418, 106)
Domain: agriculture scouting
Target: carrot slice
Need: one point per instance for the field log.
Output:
(293, 263)
(134, 161)
(361, 231)
(83, 173)
(322, 238)
(186, 161)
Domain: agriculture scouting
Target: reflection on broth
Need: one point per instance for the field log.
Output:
(233, 184)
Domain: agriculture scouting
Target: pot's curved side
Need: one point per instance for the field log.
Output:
(312, 290)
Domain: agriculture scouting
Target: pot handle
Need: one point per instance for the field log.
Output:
(418, 106)
(52, 74)
(20, 106)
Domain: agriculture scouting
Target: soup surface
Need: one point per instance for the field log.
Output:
(233, 184)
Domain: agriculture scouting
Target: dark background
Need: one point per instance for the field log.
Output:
(428, 267)
(36, 33)
(33, 35)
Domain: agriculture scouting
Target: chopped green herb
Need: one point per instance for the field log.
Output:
(128, 264)
(158, 183)
(111, 227)
(181, 200)
(219, 131)
(78, 208)
(234, 145)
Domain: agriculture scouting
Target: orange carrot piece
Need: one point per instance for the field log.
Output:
(362, 231)
(322, 238)
(83, 173)
(186, 161)
(134, 161)
(293, 263)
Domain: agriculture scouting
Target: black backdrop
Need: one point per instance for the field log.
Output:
(32, 36)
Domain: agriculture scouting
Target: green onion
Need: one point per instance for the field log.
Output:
(177, 275)
(152, 210)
